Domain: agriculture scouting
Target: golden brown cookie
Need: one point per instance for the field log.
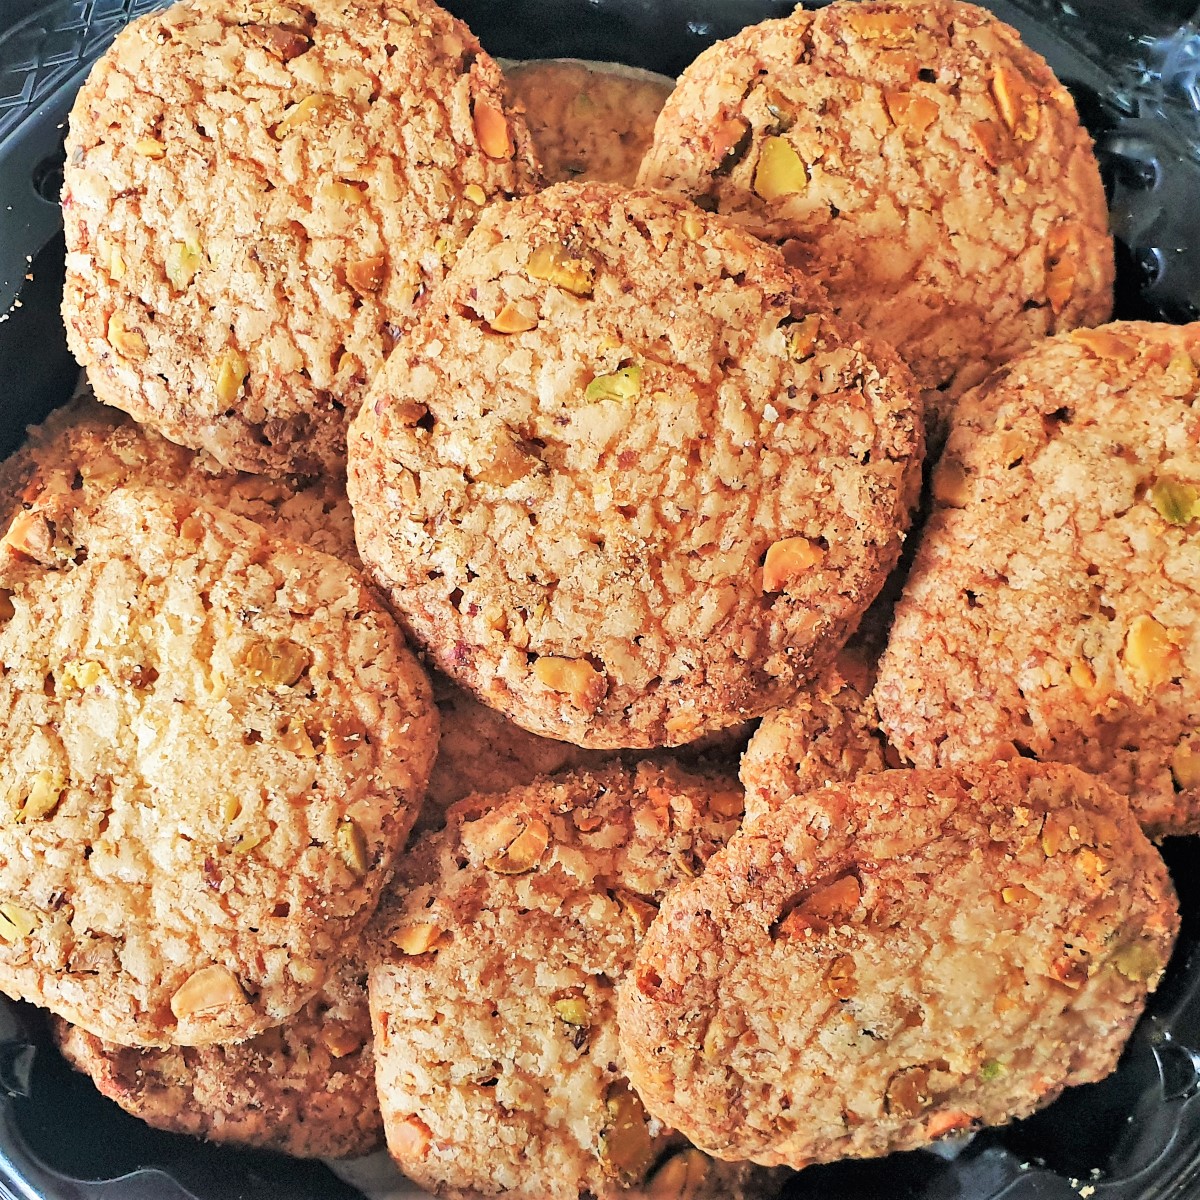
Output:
(256, 196)
(588, 120)
(884, 962)
(305, 1088)
(627, 479)
(916, 158)
(495, 1031)
(1052, 607)
(828, 734)
(217, 742)
(85, 444)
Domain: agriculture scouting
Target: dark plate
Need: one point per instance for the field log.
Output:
(1134, 67)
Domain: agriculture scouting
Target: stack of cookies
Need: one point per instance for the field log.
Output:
(632, 464)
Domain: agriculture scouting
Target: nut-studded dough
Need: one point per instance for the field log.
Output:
(914, 157)
(588, 120)
(1053, 608)
(495, 1031)
(828, 734)
(628, 479)
(85, 444)
(884, 962)
(257, 195)
(216, 744)
(305, 1088)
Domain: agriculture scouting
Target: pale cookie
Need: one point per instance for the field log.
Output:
(828, 734)
(305, 1088)
(914, 157)
(588, 120)
(257, 195)
(1053, 609)
(85, 444)
(628, 480)
(495, 1030)
(217, 744)
(885, 962)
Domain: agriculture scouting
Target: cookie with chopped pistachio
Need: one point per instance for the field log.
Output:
(918, 160)
(1052, 606)
(305, 1088)
(500, 946)
(828, 734)
(628, 479)
(588, 120)
(884, 962)
(325, 159)
(217, 742)
(90, 445)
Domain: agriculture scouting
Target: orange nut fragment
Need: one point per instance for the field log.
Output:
(208, 988)
(780, 171)
(910, 111)
(907, 1092)
(1061, 269)
(517, 316)
(491, 128)
(523, 853)
(1017, 102)
(839, 979)
(366, 274)
(827, 905)
(128, 343)
(787, 560)
(340, 1041)
(575, 677)
(554, 263)
(1104, 343)
(30, 534)
(1185, 765)
(888, 28)
(409, 1140)
(418, 938)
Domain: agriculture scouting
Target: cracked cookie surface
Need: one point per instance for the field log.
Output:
(1052, 609)
(884, 962)
(914, 157)
(218, 745)
(305, 1088)
(257, 195)
(492, 1002)
(628, 479)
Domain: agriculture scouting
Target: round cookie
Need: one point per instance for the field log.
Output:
(884, 962)
(305, 1088)
(257, 197)
(918, 160)
(91, 445)
(659, 502)
(828, 734)
(217, 745)
(588, 120)
(1052, 607)
(481, 751)
(493, 1005)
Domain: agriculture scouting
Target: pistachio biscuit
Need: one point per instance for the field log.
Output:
(257, 195)
(628, 479)
(217, 742)
(915, 158)
(880, 963)
(492, 1000)
(1051, 610)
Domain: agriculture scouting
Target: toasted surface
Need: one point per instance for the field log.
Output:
(219, 742)
(828, 734)
(1052, 609)
(588, 120)
(305, 1088)
(326, 159)
(884, 962)
(916, 158)
(495, 1032)
(658, 507)
(94, 446)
